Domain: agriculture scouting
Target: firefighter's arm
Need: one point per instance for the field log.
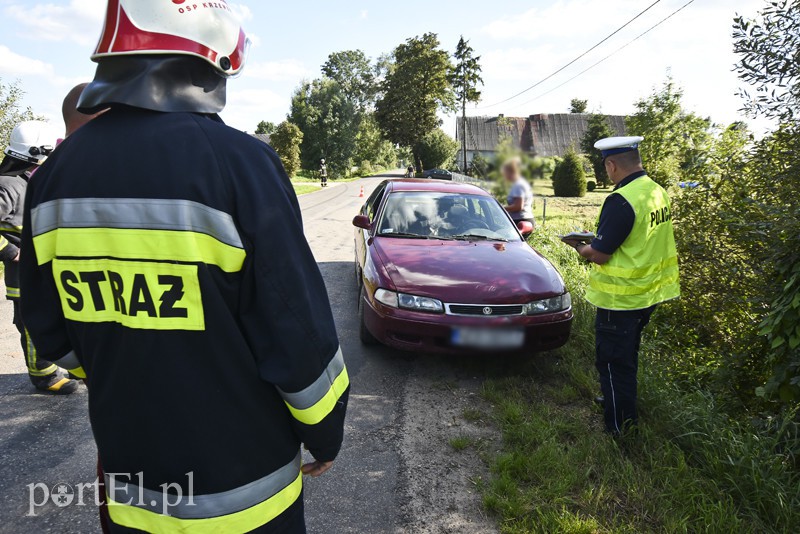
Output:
(286, 315)
(8, 251)
(41, 306)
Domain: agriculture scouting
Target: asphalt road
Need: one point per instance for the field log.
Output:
(395, 474)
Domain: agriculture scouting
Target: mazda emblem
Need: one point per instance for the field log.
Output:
(488, 311)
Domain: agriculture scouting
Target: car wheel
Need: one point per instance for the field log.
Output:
(366, 337)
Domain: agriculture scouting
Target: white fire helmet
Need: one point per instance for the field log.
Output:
(208, 30)
(32, 142)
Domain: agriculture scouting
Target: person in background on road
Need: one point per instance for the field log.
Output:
(323, 173)
(520, 197)
(636, 269)
(30, 145)
(74, 119)
(410, 172)
(166, 261)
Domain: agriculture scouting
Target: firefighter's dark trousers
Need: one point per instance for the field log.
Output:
(37, 368)
(618, 338)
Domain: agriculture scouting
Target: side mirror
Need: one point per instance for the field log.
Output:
(363, 222)
(525, 228)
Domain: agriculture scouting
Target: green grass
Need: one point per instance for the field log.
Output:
(304, 189)
(690, 468)
(461, 443)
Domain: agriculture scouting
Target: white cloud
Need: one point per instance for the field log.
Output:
(284, 70)
(14, 65)
(79, 21)
(246, 108)
(364, 15)
(242, 11)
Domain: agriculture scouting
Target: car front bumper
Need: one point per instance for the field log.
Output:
(433, 333)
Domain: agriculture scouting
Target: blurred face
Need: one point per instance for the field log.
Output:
(510, 173)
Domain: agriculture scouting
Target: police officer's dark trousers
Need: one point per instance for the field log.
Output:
(618, 338)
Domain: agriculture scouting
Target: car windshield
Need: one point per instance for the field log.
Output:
(433, 215)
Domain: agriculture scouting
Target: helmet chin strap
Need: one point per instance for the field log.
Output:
(169, 83)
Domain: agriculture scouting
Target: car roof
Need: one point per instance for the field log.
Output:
(436, 186)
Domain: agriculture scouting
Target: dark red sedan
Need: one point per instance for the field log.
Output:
(442, 268)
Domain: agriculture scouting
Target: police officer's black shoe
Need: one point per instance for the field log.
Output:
(600, 401)
(55, 384)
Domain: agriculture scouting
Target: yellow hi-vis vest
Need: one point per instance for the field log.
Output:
(644, 271)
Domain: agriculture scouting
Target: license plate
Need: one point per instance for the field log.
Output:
(488, 338)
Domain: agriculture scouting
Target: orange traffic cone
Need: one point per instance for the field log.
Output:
(361, 194)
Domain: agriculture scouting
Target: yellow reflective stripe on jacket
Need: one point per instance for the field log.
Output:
(312, 405)
(3, 242)
(137, 244)
(640, 272)
(12, 292)
(616, 286)
(243, 521)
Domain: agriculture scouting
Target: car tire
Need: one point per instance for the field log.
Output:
(363, 333)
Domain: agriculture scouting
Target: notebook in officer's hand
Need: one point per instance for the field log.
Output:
(583, 237)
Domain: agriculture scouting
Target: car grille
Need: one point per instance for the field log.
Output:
(485, 310)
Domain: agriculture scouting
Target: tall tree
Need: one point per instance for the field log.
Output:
(11, 110)
(329, 121)
(578, 106)
(673, 136)
(416, 87)
(265, 128)
(465, 79)
(286, 139)
(598, 129)
(354, 73)
(769, 47)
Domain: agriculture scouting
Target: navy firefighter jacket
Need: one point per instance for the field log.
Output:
(164, 257)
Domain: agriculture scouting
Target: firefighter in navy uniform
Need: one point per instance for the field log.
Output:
(166, 261)
(30, 144)
(636, 269)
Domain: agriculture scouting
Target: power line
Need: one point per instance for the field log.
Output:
(540, 82)
(615, 52)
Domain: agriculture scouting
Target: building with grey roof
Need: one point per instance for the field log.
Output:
(543, 135)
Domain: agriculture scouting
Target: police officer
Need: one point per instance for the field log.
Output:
(166, 261)
(636, 269)
(30, 145)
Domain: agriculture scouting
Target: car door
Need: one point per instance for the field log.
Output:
(370, 209)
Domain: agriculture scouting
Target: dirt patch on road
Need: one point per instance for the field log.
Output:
(446, 435)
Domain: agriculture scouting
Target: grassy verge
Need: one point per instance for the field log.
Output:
(304, 189)
(690, 469)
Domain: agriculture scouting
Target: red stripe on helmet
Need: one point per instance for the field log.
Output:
(132, 39)
(109, 27)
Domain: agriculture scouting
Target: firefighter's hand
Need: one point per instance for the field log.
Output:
(16, 260)
(316, 469)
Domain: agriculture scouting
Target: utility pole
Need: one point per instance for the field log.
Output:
(464, 123)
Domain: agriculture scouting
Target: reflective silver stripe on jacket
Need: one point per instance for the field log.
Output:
(135, 213)
(314, 393)
(204, 506)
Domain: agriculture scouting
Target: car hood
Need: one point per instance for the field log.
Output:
(469, 272)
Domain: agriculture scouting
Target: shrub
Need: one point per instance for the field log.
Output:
(286, 140)
(437, 149)
(569, 178)
(591, 185)
(366, 169)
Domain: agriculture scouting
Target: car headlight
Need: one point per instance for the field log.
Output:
(408, 302)
(387, 298)
(553, 305)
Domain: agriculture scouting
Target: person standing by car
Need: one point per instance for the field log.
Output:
(323, 173)
(164, 258)
(636, 269)
(520, 197)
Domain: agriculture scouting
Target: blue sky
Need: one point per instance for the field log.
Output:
(46, 45)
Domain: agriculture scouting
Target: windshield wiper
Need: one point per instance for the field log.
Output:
(404, 235)
(467, 237)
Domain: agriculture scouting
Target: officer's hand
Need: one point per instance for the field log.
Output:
(573, 242)
(316, 469)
